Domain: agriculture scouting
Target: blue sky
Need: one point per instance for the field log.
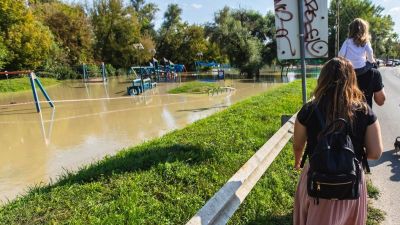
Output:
(202, 11)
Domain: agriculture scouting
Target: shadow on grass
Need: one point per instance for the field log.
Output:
(139, 158)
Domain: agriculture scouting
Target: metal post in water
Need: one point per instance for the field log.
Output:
(34, 92)
(44, 92)
(302, 50)
(103, 72)
(84, 72)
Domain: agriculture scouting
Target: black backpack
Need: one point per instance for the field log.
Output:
(335, 171)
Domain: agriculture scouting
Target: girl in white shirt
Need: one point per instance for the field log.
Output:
(357, 47)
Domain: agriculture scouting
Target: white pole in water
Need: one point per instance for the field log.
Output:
(302, 50)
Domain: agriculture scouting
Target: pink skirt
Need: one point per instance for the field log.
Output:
(328, 212)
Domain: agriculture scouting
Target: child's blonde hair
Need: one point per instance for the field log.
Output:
(359, 31)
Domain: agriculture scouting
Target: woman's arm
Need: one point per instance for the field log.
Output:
(299, 141)
(373, 141)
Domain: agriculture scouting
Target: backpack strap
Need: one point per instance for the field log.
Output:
(365, 162)
(322, 124)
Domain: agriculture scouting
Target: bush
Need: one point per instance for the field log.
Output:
(63, 72)
(121, 72)
(206, 68)
(93, 70)
(111, 71)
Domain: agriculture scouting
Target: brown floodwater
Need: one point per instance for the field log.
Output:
(91, 121)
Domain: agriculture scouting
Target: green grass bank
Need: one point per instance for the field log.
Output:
(167, 180)
(23, 84)
(195, 87)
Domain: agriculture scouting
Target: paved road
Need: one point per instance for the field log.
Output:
(386, 171)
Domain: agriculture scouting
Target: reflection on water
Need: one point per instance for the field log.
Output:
(37, 147)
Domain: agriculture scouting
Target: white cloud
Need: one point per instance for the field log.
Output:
(197, 6)
(394, 10)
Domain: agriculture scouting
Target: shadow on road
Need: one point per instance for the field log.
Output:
(394, 160)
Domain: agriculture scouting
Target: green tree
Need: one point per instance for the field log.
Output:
(244, 36)
(390, 50)
(381, 27)
(116, 29)
(149, 48)
(71, 28)
(170, 36)
(172, 17)
(12, 12)
(193, 42)
(181, 42)
(3, 53)
(146, 14)
(30, 44)
(27, 42)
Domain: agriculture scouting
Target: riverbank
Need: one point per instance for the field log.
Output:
(23, 84)
(165, 181)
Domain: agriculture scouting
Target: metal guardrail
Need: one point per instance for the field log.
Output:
(220, 208)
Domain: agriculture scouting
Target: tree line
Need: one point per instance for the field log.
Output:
(56, 36)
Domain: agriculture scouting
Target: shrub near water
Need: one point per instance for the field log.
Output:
(167, 180)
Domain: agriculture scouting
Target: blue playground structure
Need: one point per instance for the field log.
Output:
(165, 72)
(140, 85)
(143, 81)
(217, 69)
(168, 70)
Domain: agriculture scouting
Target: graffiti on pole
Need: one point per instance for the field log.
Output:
(315, 28)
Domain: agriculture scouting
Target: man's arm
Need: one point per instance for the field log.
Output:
(377, 90)
(380, 97)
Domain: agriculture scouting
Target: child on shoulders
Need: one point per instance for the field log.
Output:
(357, 47)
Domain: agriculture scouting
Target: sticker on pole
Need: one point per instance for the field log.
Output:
(315, 28)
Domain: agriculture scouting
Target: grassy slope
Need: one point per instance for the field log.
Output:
(165, 181)
(195, 87)
(23, 84)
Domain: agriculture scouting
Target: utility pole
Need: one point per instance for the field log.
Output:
(337, 26)
(302, 50)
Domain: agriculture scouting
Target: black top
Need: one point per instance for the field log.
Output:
(308, 118)
(370, 82)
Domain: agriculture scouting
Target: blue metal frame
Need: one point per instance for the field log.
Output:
(44, 93)
(35, 95)
(33, 79)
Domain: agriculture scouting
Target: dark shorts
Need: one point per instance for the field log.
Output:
(364, 69)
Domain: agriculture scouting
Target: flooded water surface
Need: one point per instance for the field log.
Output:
(91, 121)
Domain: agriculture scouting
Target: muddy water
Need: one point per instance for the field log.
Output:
(101, 119)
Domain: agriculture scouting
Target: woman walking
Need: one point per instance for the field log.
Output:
(336, 96)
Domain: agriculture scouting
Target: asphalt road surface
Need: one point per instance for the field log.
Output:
(386, 171)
